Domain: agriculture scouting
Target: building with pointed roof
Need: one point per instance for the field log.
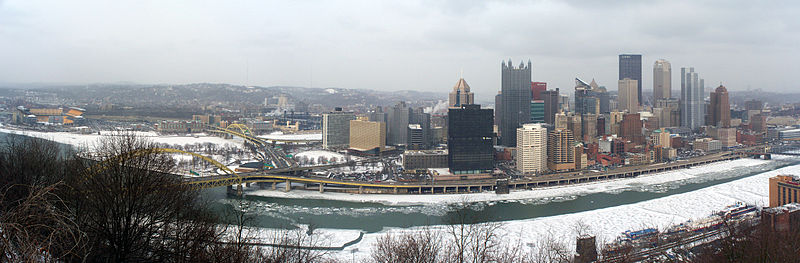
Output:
(461, 94)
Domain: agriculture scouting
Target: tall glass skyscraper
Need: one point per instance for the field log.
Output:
(630, 66)
(692, 103)
(515, 102)
(470, 140)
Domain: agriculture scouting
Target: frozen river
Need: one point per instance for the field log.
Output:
(608, 207)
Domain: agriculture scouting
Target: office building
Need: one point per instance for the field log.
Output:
(628, 98)
(784, 189)
(537, 111)
(470, 140)
(590, 98)
(668, 112)
(418, 116)
(414, 160)
(461, 94)
(630, 67)
(537, 88)
(551, 105)
(367, 136)
(754, 105)
(515, 102)
(336, 129)
(631, 128)
(532, 148)
(661, 138)
(720, 114)
(758, 123)
(397, 123)
(498, 107)
(589, 128)
(575, 124)
(692, 103)
(560, 150)
(416, 137)
(662, 80)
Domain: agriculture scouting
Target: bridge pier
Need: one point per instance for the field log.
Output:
(321, 187)
(395, 190)
(288, 185)
(274, 185)
(360, 189)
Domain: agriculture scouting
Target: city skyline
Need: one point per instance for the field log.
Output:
(269, 44)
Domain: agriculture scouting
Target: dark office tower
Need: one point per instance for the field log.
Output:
(537, 88)
(720, 108)
(551, 102)
(397, 124)
(469, 140)
(630, 66)
(516, 101)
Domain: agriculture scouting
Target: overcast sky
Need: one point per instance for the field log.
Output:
(397, 45)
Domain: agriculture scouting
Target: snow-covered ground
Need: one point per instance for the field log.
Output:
(652, 180)
(608, 223)
(89, 140)
(316, 154)
(300, 137)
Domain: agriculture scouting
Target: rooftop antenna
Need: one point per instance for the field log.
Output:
(462, 73)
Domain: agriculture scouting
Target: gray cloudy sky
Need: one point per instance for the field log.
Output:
(395, 45)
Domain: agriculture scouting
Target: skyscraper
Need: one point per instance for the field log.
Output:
(551, 102)
(584, 101)
(515, 102)
(720, 108)
(418, 116)
(560, 150)
(397, 124)
(532, 148)
(537, 88)
(470, 140)
(662, 80)
(630, 66)
(461, 94)
(628, 97)
(692, 102)
(336, 129)
(537, 111)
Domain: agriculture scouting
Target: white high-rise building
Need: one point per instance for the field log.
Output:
(662, 80)
(693, 109)
(336, 129)
(532, 148)
(628, 97)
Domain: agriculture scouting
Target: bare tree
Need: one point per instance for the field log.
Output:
(422, 246)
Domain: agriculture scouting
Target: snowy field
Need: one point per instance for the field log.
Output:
(645, 182)
(299, 137)
(606, 223)
(87, 141)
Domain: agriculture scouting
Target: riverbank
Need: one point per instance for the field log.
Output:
(518, 194)
(608, 223)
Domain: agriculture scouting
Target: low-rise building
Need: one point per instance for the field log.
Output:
(413, 160)
(784, 189)
(785, 218)
(707, 145)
